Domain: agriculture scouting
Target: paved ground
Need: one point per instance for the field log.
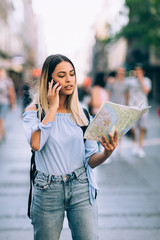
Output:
(129, 196)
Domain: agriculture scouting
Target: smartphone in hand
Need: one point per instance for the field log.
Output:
(53, 82)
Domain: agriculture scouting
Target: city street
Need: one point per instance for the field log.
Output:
(129, 187)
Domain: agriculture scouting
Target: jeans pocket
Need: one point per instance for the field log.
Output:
(82, 178)
(41, 183)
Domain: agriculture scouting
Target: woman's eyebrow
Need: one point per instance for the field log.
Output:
(61, 72)
(65, 72)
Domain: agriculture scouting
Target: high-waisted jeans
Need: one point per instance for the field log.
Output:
(53, 195)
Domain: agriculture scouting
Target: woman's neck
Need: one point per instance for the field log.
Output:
(62, 106)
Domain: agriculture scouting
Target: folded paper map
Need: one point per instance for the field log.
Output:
(112, 116)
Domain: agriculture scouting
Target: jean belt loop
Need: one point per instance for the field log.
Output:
(75, 174)
(49, 179)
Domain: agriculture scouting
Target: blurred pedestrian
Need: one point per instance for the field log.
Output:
(31, 78)
(118, 93)
(118, 90)
(111, 78)
(139, 88)
(64, 178)
(26, 97)
(7, 99)
(98, 93)
(84, 92)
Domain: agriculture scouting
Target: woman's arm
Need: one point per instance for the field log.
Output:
(36, 135)
(98, 158)
(53, 100)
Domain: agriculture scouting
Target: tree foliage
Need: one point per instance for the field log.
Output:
(144, 22)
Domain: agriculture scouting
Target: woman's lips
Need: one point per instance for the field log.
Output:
(69, 87)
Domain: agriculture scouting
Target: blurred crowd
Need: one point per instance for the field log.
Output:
(7, 99)
(122, 87)
(126, 88)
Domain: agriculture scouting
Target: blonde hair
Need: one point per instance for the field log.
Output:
(72, 101)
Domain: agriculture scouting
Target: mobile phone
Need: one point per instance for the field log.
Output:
(49, 81)
(53, 82)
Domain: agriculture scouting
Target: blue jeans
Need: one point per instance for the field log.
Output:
(53, 195)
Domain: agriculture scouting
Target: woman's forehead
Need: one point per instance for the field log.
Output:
(64, 66)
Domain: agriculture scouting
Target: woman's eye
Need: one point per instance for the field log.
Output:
(61, 76)
(72, 74)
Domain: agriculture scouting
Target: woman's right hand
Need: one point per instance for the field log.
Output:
(53, 94)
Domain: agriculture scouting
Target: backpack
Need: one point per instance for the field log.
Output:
(33, 164)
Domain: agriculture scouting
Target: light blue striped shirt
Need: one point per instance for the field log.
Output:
(62, 147)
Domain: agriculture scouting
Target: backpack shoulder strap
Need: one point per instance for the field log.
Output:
(32, 173)
(43, 113)
(32, 177)
(87, 114)
(88, 117)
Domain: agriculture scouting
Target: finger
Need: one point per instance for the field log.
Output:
(112, 144)
(106, 142)
(51, 83)
(55, 86)
(105, 145)
(49, 86)
(58, 89)
(116, 136)
(111, 139)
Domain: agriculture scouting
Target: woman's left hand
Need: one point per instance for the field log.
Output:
(109, 146)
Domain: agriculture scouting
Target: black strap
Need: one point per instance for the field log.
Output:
(32, 172)
(85, 127)
(42, 114)
(33, 164)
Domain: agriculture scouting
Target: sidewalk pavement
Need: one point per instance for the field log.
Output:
(128, 198)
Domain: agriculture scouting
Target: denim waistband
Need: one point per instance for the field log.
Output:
(59, 178)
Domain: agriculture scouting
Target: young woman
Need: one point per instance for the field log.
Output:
(64, 162)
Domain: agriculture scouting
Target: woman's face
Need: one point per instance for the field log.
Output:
(64, 74)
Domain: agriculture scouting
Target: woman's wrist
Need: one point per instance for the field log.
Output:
(50, 115)
(53, 108)
(106, 154)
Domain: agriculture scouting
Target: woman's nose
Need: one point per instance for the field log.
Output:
(68, 78)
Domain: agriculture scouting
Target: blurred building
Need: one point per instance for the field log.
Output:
(18, 38)
(41, 43)
(116, 53)
(107, 56)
